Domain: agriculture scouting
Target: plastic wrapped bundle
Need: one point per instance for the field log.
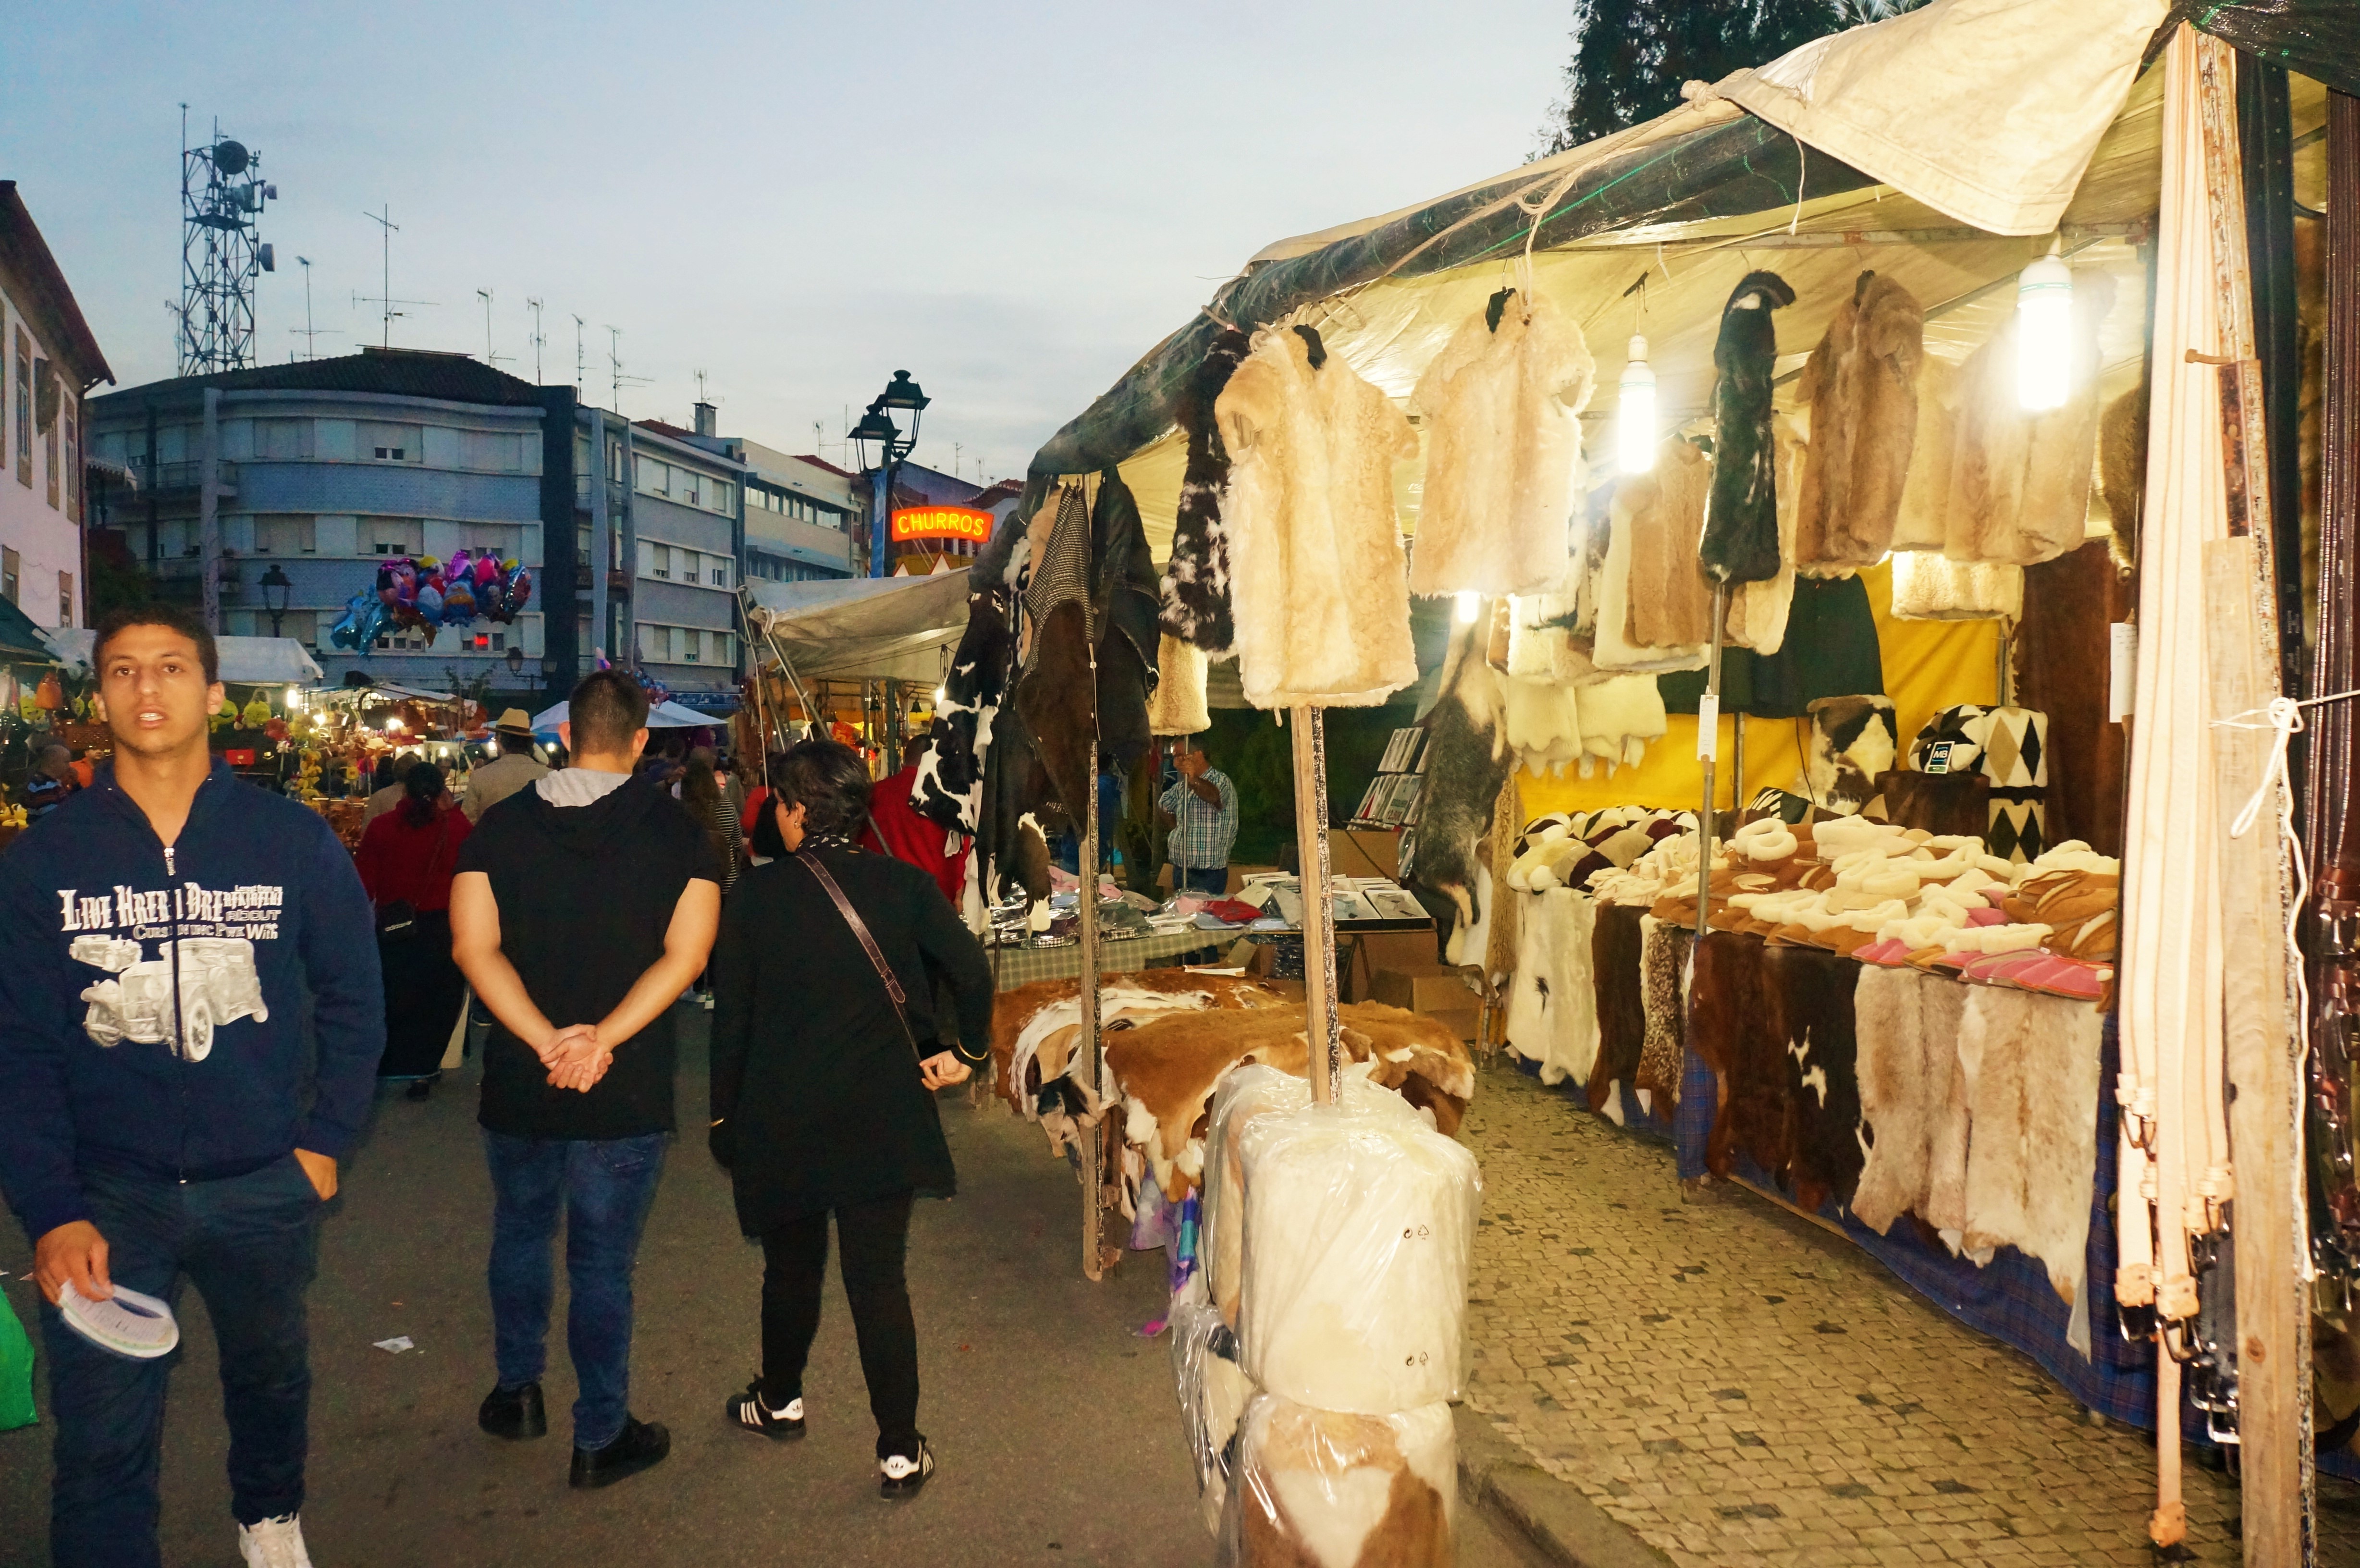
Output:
(1213, 1394)
(1318, 1489)
(1359, 1226)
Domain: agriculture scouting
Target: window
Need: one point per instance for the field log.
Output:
(582, 543)
(65, 599)
(283, 534)
(73, 472)
(393, 536)
(487, 642)
(720, 575)
(716, 494)
(8, 567)
(659, 561)
(303, 626)
(496, 451)
(692, 642)
(390, 443)
(283, 441)
(686, 485)
(50, 465)
(23, 413)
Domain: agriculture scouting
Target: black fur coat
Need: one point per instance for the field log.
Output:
(1741, 519)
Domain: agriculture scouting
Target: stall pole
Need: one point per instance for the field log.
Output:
(1094, 1136)
(1323, 1027)
(1737, 763)
(1707, 747)
(2244, 651)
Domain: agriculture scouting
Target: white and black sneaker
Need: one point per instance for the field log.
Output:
(273, 1543)
(748, 1410)
(900, 1478)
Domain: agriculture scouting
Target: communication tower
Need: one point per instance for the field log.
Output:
(222, 198)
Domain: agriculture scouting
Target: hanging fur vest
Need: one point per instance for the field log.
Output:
(1122, 592)
(1318, 583)
(1861, 384)
(1501, 405)
(1197, 577)
(1741, 523)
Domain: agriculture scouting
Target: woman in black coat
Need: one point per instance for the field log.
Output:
(821, 1100)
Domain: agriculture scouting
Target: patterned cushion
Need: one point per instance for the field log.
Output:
(2009, 747)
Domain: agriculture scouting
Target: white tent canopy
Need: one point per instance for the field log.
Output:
(246, 661)
(892, 629)
(662, 716)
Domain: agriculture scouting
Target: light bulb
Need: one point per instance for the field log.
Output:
(1635, 416)
(294, 696)
(1467, 605)
(2043, 334)
(938, 696)
(491, 748)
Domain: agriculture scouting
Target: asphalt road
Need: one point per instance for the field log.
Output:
(1053, 1420)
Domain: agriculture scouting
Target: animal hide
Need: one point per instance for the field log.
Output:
(1320, 1489)
(949, 787)
(1759, 612)
(1552, 1007)
(2062, 665)
(2020, 481)
(1669, 598)
(1618, 718)
(1942, 1009)
(1503, 934)
(2122, 468)
(1123, 615)
(1501, 405)
(1542, 644)
(1944, 804)
(1741, 524)
(1614, 584)
(1543, 723)
(1810, 994)
(999, 563)
(1925, 491)
(1178, 706)
(1861, 384)
(1928, 586)
(1853, 739)
(1662, 956)
(1196, 576)
(2031, 1065)
(1728, 1011)
(1618, 971)
(1466, 762)
(1015, 791)
(1319, 584)
(1905, 1023)
(1056, 695)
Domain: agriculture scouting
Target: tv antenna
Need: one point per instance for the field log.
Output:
(578, 361)
(386, 301)
(615, 369)
(221, 256)
(534, 306)
(489, 357)
(307, 332)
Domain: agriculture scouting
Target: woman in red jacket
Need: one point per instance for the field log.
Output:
(406, 859)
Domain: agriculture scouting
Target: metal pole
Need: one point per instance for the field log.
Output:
(1737, 763)
(1323, 1025)
(209, 513)
(880, 516)
(1094, 1138)
(1708, 746)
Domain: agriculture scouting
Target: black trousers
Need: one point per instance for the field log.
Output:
(874, 1239)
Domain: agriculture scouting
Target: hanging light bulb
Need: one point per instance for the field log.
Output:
(294, 697)
(1635, 416)
(938, 696)
(2044, 333)
(1467, 605)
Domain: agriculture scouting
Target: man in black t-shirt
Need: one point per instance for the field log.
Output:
(583, 908)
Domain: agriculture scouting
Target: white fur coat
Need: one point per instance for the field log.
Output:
(1316, 573)
(1503, 451)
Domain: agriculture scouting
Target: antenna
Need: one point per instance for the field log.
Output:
(386, 301)
(307, 332)
(221, 256)
(577, 354)
(700, 386)
(534, 306)
(489, 357)
(614, 368)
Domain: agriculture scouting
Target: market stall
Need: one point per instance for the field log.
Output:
(1777, 775)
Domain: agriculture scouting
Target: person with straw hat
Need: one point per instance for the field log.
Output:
(515, 769)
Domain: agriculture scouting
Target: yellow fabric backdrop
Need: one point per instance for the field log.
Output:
(1929, 666)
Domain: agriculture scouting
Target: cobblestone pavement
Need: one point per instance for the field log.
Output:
(1739, 1387)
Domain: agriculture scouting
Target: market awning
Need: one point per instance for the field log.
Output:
(245, 660)
(21, 641)
(889, 628)
(662, 716)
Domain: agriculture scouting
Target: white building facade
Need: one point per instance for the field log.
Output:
(47, 361)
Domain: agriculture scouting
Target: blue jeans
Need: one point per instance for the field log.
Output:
(250, 1245)
(606, 1185)
(1214, 879)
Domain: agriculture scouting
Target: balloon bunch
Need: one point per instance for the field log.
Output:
(427, 594)
(657, 691)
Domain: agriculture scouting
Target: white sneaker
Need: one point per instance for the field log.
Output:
(274, 1544)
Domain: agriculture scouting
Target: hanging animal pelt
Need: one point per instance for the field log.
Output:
(1853, 739)
(949, 787)
(1861, 384)
(1196, 578)
(1122, 592)
(1741, 519)
(1012, 842)
(1057, 693)
(1466, 762)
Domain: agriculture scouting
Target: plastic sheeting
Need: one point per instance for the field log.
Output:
(1359, 1230)
(245, 660)
(1214, 1391)
(885, 628)
(1341, 1491)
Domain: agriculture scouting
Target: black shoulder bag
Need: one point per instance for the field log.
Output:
(868, 946)
(397, 919)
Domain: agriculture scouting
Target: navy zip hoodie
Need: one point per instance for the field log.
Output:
(151, 999)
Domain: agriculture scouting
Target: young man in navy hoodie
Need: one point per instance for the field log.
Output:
(161, 928)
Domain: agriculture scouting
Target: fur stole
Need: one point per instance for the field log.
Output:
(1758, 611)
(1861, 384)
(1197, 577)
(1670, 597)
(2020, 483)
(1178, 706)
(1501, 405)
(1319, 586)
(1740, 525)
(1931, 587)
(1853, 739)
(948, 790)
(1467, 762)
(1124, 597)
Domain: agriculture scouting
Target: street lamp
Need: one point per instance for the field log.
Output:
(877, 431)
(276, 588)
(516, 659)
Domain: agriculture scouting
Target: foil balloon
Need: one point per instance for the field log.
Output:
(361, 624)
(458, 602)
(430, 604)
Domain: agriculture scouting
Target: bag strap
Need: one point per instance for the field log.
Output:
(868, 946)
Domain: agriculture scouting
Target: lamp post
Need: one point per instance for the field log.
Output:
(277, 587)
(877, 429)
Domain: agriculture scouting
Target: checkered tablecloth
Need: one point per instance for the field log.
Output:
(1023, 965)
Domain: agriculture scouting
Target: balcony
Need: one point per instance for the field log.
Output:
(181, 580)
(186, 480)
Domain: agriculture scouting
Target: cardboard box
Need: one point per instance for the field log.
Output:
(1364, 851)
(1433, 988)
(1462, 1021)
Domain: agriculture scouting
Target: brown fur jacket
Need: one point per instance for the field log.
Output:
(1319, 586)
(1503, 451)
(1861, 384)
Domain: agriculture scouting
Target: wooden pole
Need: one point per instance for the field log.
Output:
(1708, 749)
(1323, 1027)
(1093, 1137)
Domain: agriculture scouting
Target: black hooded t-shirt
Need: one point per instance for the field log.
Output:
(585, 895)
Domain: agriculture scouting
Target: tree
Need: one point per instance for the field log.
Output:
(1631, 57)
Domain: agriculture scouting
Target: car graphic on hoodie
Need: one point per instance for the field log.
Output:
(217, 985)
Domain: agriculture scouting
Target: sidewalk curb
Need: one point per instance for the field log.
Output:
(1549, 1514)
